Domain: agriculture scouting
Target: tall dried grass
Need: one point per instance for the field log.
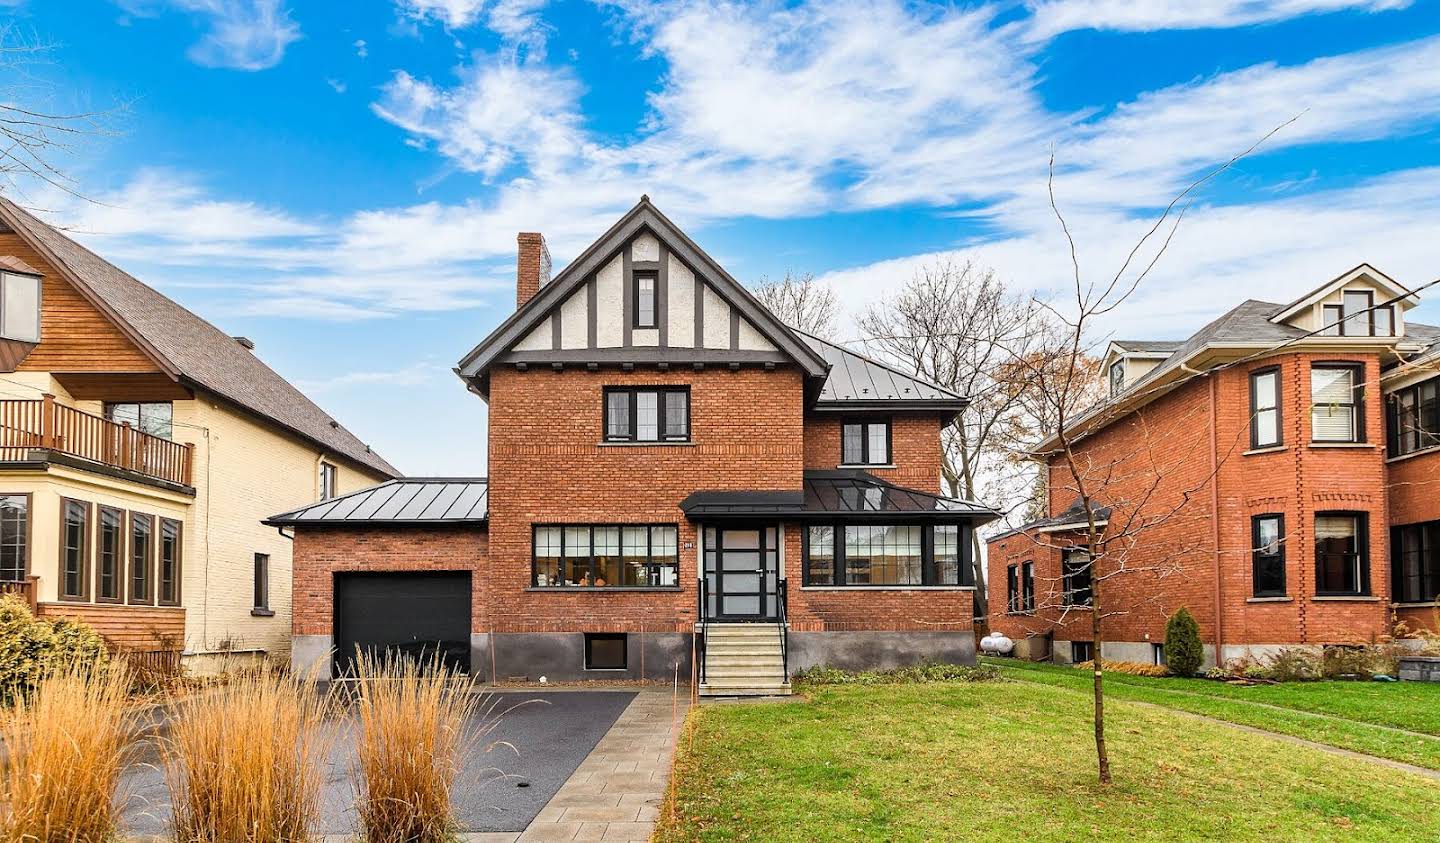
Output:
(67, 743)
(245, 762)
(415, 721)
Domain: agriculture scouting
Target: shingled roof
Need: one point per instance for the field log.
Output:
(188, 348)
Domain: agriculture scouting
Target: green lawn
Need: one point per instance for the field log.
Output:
(1014, 761)
(1356, 713)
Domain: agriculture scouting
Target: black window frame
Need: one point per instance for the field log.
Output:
(1356, 405)
(838, 570)
(1404, 435)
(132, 596)
(652, 568)
(633, 432)
(1256, 409)
(83, 550)
(117, 556)
(1027, 587)
(1260, 558)
(637, 318)
(19, 569)
(865, 423)
(1362, 552)
(141, 421)
(1070, 573)
(260, 593)
(592, 638)
(1081, 651)
(1012, 588)
(1427, 534)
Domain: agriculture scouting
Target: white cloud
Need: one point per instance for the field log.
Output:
(361, 49)
(240, 34)
(517, 22)
(407, 376)
(1052, 17)
(336, 85)
(456, 14)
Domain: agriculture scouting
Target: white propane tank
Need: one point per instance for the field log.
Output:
(997, 644)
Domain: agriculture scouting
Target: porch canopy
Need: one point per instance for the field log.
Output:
(844, 495)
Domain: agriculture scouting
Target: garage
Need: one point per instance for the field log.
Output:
(416, 615)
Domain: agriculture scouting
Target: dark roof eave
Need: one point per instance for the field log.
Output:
(373, 522)
(888, 516)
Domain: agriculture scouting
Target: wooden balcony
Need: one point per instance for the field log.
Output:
(26, 425)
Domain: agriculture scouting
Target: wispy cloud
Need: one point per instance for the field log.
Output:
(1052, 17)
(518, 22)
(239, 34)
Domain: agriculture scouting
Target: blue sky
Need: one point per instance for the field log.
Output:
(343, 182)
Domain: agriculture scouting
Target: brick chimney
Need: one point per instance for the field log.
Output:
(532, 266)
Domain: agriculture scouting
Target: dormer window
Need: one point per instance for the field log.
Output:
(1117, 377)
(20, 307)
(1357, 316)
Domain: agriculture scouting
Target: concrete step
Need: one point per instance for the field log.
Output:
(713, 659)
(713, 689)
(744, 648)
(759, 630)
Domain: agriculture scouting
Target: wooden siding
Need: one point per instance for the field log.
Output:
(127, 627)
(74, 335)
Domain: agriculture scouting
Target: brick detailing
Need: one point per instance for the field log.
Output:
(532, 266)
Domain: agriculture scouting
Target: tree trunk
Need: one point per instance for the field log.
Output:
(1102, 755)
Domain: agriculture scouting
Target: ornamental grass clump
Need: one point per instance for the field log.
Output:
(245, 762)
(67, 742)
(414, 722)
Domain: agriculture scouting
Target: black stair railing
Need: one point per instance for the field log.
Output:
(703, 615)
(783, 623)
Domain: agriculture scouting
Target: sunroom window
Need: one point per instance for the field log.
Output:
(887, 555)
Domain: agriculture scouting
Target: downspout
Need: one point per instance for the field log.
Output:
(1215, 519)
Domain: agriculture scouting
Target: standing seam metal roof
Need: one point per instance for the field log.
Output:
(409, 500)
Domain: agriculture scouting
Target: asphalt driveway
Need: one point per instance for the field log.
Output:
(508, 775)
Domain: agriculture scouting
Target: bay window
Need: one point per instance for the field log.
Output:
(1337, 403)
(1341, 554)
(14, 537)
(647, 415)
(605, 556)
(1413, 418)
(888, 555)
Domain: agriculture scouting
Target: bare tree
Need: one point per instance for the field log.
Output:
(957, 325)
(801, 302)
(34, 138)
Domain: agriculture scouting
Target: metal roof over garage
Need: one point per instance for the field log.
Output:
(409, 500)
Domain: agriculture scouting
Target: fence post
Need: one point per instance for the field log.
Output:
(47, 422)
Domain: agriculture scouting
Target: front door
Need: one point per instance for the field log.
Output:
(741, 567)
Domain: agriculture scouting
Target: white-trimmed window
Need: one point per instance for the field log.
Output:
(20, 307)
(1337, 403)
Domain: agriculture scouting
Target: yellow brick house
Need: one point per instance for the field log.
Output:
(140, 447)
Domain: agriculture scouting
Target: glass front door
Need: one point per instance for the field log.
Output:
(741, 568)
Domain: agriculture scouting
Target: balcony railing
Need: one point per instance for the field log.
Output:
(26, 425)
(25, 589)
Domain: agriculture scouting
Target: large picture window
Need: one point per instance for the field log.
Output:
(865, 442)
(647, 415)
(1337, 402)
(1415, 562)
(1267, 555)
(1076, 574)
(1414, 418)
(110, 557)
(606, 556)
(74, 550)
(14, 537)
(888, 555)
(1265, 408)
(1341, 554)
(142, 558)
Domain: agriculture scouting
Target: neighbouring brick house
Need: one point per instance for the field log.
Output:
(1283, 462)
(671, 471)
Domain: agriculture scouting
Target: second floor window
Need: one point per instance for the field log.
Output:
(1337, 403)
(1267, 537)
(1265, 408)
(647, 415)
(155, 418)
(1414, 418)
(327, 481)
(1076, 577)
(1341, 554)
(645, 299)
(20, 307)
(865, 442)
(1416, 562)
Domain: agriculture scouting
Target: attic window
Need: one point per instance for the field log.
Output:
(1357, 316)
(20, 307)
(645, 283)
(1117, 377)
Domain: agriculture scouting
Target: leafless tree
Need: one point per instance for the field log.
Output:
(801, 302)
(34, 138)
(957, 325)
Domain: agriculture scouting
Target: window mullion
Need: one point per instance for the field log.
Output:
(837, 540)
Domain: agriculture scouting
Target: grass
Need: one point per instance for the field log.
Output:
(1014, 761)
(1359, 716)
(245, 761)
(67, 746)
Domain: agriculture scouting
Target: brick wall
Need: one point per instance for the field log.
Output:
(322, 551)
(914, 441)
(1414, 497)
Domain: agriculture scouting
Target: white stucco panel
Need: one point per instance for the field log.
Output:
(645, 248)
(610, 305)
(751, 339)
(537, 340)
(645, 336)
(680, 301)
(574, 320)
(717, 320)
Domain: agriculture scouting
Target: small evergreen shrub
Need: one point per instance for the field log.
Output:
(33, 648)
(1183, 651)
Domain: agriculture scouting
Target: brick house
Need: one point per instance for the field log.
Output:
(1273, 473)
(672, 471)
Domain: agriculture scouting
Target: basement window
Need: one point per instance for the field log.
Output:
(605, 650)
(1081, 651)
(20, 307)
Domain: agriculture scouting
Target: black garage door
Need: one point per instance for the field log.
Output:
(417, 615)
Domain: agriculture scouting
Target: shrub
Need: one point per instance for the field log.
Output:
(68, 743)
(414, 723)
(1364, 660)
(32, 648)
(1130, 668)
(1292, 664)
(245, 761)
(911, 674)
(1183, 651)
(77, 644)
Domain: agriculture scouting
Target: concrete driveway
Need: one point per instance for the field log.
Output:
(500, 789)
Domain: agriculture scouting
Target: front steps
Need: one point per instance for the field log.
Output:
(744, 660)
